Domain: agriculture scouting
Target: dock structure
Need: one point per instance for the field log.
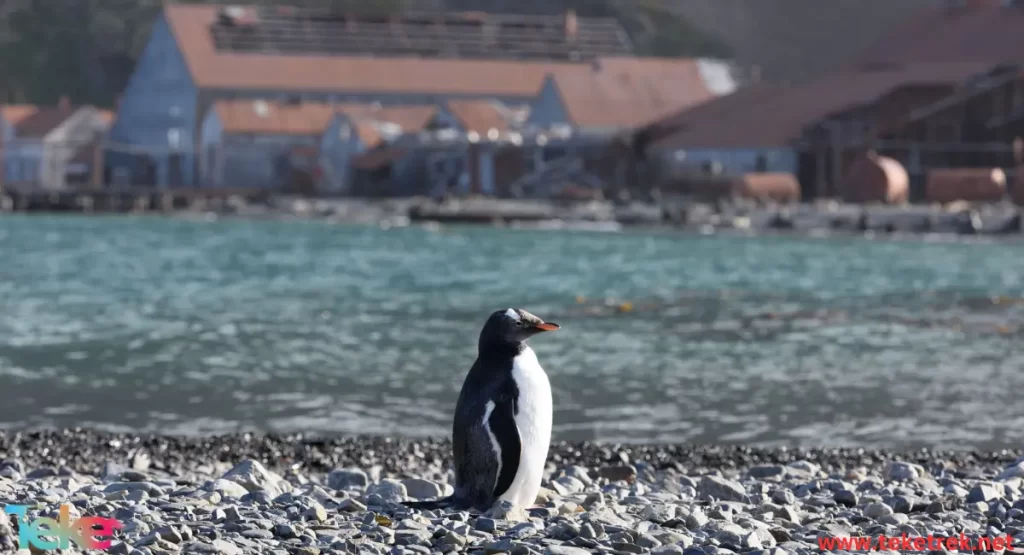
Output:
(128, 200)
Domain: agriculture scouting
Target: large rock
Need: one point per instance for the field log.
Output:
(422, 489)
(228, 488)
(721, 489)
(902, 471)
(1015, 470)
(391, 491)
(345, 478)
(985, 492)
(252, 476)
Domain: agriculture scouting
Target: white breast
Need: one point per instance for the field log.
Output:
(534, 423)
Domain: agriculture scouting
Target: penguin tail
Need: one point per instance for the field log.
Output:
(442, 503)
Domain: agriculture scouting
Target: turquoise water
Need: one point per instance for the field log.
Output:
(198, 327)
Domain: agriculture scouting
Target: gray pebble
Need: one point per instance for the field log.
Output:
(902, 471)
(767, 471)
(455, 540)
(346, 478)
(623, 547)
(580, 473)
(253, 476)
(894, 519)
(413, 537)
(783, 497)
(659, 513)
(485, 524)
(623, 473)
(846, 498)
(985, 492)
(721, 489)
(877, 510)
(391, 491)
(422, 489)
(647, 541)
(565, 550)
(696, 519)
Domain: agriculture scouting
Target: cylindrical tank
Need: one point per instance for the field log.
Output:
(874, 178)
(946, 185)
(1015, 184)
(769, 186)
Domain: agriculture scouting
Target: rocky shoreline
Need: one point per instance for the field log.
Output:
(826, 217)
(1002, 219)
(292, 495)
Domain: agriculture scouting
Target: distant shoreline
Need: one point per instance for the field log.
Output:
(1002, 219)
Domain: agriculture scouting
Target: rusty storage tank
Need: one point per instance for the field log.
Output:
(768, 186)
(875, 178)
(1015, 184)
(947, 185)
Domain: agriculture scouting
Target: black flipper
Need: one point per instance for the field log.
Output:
(503, 425)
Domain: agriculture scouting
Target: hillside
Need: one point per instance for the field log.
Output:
(794, 39)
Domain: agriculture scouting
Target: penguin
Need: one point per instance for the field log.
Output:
(502, 425)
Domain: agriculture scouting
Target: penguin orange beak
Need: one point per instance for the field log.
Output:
(546, 326)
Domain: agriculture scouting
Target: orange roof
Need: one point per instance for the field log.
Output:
(478, 115)
(15, 113)
(369, 134)
(630, 92)
(213, 69)
(274, 118)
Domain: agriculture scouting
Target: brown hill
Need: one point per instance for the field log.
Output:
(793, 39)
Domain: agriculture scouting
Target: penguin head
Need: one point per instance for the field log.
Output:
(513, 326)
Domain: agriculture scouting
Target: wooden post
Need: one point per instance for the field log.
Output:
(97, 165)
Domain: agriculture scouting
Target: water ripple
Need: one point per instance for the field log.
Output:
(206, 327)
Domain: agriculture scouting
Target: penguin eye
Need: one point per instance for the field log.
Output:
(519, 323)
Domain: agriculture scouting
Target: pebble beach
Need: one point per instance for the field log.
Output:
(293, 495)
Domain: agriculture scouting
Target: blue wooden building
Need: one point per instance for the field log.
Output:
(200, 54)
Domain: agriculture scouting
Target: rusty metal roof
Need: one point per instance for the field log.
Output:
(630, 93)
(37, 124)
(214, 69)
(775, 115)
(311, 118)
(14, 113)
(478, 115)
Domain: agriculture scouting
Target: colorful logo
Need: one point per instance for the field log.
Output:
(83, 532)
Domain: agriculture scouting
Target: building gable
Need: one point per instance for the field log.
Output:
(160, 95)
(445, 119)
(549, 108)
